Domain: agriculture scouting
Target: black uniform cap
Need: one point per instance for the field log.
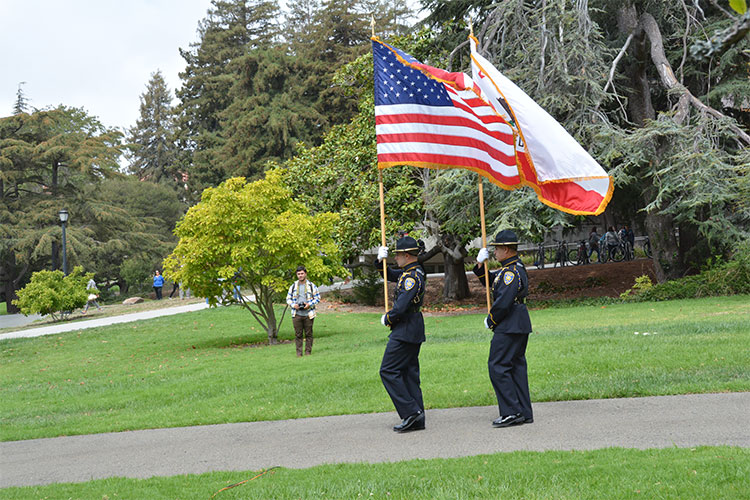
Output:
(505, 237)
(407, 244)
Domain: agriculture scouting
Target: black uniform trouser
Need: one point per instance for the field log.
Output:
(399, 372)
(508, 373)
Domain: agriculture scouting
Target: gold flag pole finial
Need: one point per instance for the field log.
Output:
(471, 28)
(372, 24)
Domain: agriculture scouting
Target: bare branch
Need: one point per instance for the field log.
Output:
(453, 53)
(659, 58)
(726, 12)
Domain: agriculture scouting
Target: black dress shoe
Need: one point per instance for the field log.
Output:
(508, 420)
(528, 420)
(413, 422)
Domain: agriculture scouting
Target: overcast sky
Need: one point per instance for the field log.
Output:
(95, 54)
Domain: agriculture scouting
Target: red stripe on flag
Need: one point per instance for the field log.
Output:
(450, 140)
(447, 161)
(454, 121)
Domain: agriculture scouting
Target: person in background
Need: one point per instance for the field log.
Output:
(302, 297)
(93, 295)
(612, 240)
(594, 244)
(175, 289)
(158, 284)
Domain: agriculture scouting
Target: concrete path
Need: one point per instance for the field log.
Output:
(93, 323)
(652, 422)
(16, 320)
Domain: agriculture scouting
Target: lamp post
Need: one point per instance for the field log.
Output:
(63, 214)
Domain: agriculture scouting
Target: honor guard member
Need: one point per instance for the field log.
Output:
(510, 323)
(399, 370)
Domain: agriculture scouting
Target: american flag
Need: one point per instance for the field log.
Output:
(427, 117)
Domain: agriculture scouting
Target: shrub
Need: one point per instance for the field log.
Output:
(729, 278)
(368, 288)
(50, 292)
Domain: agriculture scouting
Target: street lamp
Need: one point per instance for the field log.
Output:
(63, 214)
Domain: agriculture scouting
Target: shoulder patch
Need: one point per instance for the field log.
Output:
(508, 277)
(409, 283)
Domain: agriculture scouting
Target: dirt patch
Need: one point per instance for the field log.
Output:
(569, 282)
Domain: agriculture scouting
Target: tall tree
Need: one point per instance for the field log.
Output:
(151, 140)
(230, 29)
(618, 76)
(46, 159)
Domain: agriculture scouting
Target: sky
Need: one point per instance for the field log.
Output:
(94, 54)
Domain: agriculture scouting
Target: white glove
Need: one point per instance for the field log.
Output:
(483, 255)
(486, 324)
(382, 253)
(382, 320)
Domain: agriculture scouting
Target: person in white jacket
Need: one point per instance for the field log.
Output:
(302, 297)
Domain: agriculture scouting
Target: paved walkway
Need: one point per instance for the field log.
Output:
(93, 323)
(651, 422)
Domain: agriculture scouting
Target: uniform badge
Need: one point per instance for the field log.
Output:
(409, 283)
(508, 277)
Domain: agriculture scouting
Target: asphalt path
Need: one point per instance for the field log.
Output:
(650, 422)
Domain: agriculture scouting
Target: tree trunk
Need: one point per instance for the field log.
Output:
(124, 287)
(455, 286)
(273, 333)
(667, 265)
(55, 254)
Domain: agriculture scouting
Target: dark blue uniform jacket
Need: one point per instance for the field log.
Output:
(510, 286)
(405, 318)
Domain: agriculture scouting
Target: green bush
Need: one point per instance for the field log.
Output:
(50, 292)
(729, 278)
(368, 288)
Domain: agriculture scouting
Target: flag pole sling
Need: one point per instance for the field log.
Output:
(382, 238)
(484, 244)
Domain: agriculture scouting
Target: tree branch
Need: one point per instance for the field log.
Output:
(450, 57)
(659, 58)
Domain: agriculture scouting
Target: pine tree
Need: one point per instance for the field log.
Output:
(231, 29)
(22, 102)
(151, 139)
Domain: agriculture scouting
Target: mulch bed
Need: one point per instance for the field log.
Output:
(561, 283)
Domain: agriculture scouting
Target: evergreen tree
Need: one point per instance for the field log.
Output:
(618, 76)
(22, 102)
(46, 160)
(231, 29)
(151, 139)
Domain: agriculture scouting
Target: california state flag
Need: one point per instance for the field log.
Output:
(550, 161)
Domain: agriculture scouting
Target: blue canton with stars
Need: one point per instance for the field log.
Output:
(396, 83)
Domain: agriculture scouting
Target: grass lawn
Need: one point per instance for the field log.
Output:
(206, 367)
(3, 308)
(614, 473)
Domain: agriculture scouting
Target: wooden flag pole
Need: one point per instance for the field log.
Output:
(382, 238)
(382, 210)
(484, 245)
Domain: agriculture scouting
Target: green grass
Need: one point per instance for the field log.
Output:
(198, 368)
(614, 473)
(3, 308)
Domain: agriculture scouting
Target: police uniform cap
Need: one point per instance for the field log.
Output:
(407, 244)
(505, 237)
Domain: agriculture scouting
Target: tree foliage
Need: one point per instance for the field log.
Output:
(253, 235)
(46, 158)
(151, 140)
(670, 129)
(50, 292)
